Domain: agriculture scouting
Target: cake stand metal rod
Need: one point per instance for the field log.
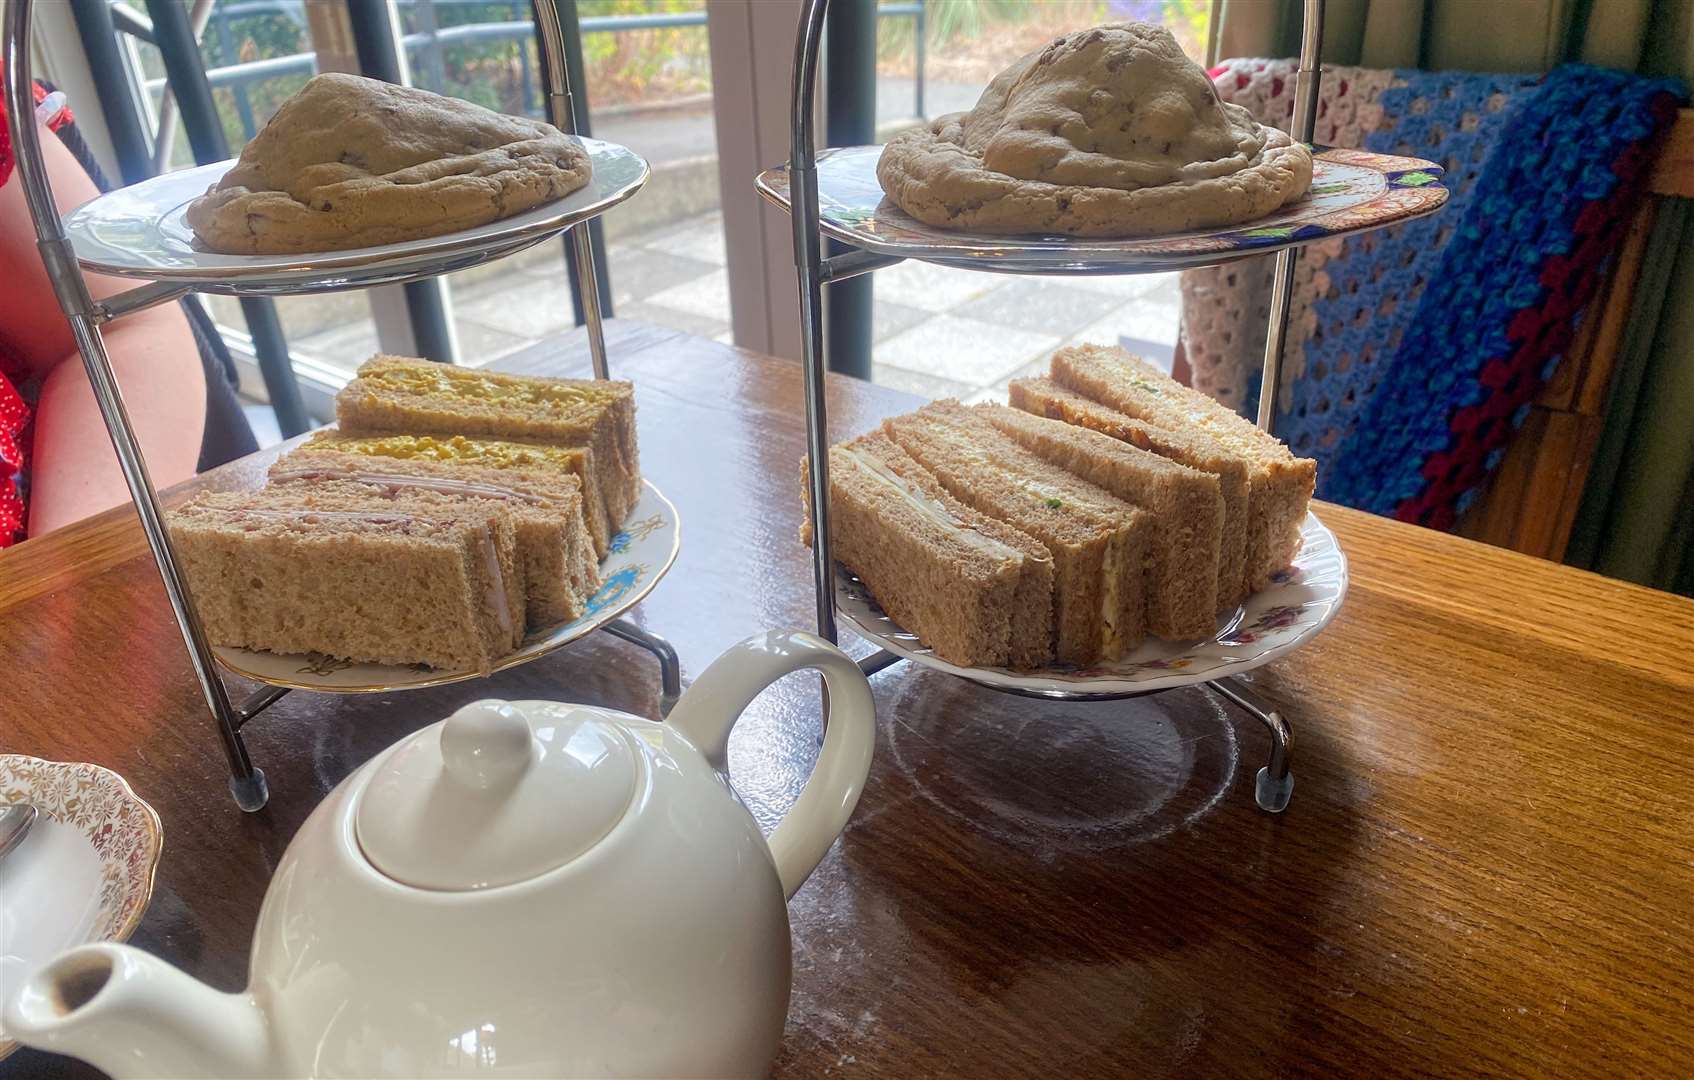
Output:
(670, 666)
(138, 299)
(246, 782)
(1282, 275)
(854, 263)
(260, 700)
(1273, 786)
(878, 660)
(561, 111)
(808, 259)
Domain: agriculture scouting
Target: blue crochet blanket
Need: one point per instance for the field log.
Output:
(1407, 410)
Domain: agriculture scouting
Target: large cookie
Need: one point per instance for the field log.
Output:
(1105, 132)
(350, 162)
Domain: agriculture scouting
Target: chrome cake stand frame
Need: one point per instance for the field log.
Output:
(86, 317)
(1275, 781)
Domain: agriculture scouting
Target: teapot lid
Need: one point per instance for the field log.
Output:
(484, 799)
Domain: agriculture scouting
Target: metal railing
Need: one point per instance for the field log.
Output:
(426, 48)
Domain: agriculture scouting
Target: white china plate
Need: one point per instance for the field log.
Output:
(1274, 621)
(641, 553)
(1352, 191)
(140, 231)
(85, 871)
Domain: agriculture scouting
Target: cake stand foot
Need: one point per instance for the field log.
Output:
(876, 661)
(250, 791)
(670, 668)
(1274, 784)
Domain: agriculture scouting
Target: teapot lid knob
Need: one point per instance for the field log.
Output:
(497, 793)
(487, 744)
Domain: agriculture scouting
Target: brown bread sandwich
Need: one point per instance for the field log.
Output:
(976, 591)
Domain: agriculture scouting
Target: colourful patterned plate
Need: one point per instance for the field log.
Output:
(640, 555)
(1274, 621)
(1352, 191)
(85, 871)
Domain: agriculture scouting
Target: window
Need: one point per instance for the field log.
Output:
(954, 333)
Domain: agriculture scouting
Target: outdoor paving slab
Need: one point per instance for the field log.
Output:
(1124, 285)
(889, 318)
(706, 296)
(1040, 305)
(933, 288)
(703, 241)
(527, 308)
(963, 350)
(1149, 319)
(345, 346)
(480, 345)
(916, 382)
(638, 273)
(686, 321)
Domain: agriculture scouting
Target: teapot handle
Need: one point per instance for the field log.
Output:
(723, 691)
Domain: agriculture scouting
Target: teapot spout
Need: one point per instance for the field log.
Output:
(134, 1016)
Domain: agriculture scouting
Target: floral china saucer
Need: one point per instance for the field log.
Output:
(85, 871)
(1274, 621)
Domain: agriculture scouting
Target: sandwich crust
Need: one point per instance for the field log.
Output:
(530, 463)
(387, 580)
(1280, 484)
(1184, 504)
(1044, 397)
(559, 568)
(976, 591)
(399, 394)
(1098, 542)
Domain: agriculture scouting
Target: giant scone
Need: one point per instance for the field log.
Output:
(350, 162)
(1109, 132)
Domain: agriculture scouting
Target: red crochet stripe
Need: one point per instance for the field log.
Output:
(1539, 334)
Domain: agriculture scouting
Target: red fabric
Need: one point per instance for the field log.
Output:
(14, 410)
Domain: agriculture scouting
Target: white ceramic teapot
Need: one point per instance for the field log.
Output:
(525, 889)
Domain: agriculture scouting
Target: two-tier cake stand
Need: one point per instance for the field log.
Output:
(138, 232)
(836, 194)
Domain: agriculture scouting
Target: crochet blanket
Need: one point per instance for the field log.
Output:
(1415, 351)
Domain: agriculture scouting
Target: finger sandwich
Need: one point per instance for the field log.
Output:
(1098, 542)
(1279, 484)
(1044, 397)
(409, 396)
(525, 462)
(976, 591)
(1184, 504)
(559, 567)
(399, 579)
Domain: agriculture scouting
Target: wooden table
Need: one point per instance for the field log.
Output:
(1488, 865)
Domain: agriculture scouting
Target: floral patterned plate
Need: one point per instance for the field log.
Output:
(1273, 621)
(640, 555)
(1352, 191)
(85, 871)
